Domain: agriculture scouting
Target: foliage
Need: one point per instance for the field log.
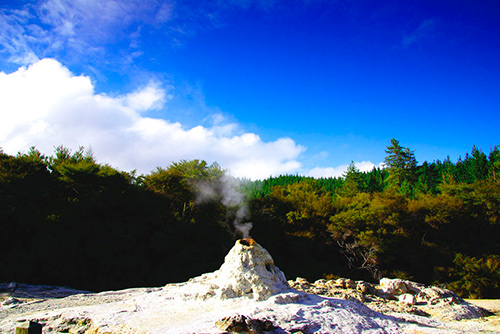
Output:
(402, 165)
(475, 278)
(353, 181)
(435, 222)
(366, 227)
(78, 218)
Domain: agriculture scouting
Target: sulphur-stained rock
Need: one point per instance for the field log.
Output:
(330, 283)
(340, 282)
(364, 287)
(243, 324)
(328, 288)
(301, 280)
(235, 324)
(320, 282)
(345, 283)
(56, 323)
(397, 296)
(300, 283)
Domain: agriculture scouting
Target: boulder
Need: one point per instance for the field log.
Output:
(407, 298)
(394, 286)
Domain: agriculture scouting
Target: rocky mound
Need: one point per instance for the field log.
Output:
(396, 296)
(248, 270)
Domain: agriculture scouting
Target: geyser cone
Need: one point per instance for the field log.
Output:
(249, 270)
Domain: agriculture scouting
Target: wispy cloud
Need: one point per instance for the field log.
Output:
(84, 29)
(100, 20)
(18, 39)
(426, 28)
(78, 28)
(45, 105)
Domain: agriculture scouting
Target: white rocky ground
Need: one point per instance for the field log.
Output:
(249, 293)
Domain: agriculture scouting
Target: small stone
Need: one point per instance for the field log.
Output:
(11, 302)
(326, 303)
(340, 282)
(242, 324)
(350, 284)
(236, 323)
(301, 280)
(320, 282)
(407, 298)
(364, 287)
(29, 327)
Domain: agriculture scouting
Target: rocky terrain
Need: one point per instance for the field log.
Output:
(248, 294)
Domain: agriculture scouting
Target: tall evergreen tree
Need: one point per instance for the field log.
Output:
(401, 164)
(353, 180)
(494, 163)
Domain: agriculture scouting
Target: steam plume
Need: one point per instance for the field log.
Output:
(226, 189)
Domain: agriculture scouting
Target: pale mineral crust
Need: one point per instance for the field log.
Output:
(248, 293)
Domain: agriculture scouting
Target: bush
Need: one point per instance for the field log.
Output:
(475, 278)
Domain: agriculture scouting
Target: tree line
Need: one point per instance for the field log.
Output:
(68, 220)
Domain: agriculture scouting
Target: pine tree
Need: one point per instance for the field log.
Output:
(401, 164)
(353, 180)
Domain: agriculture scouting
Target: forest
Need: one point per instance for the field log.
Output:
(69, 220)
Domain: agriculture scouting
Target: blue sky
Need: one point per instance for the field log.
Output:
(261, 87)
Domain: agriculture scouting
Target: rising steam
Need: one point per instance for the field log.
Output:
(226, 189)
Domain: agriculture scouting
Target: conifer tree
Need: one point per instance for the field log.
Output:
(494, 162)
(352, 180)
(401, 164)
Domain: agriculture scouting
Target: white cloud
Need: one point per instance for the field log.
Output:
(363, 166)
(45, 105)
(147, 98)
